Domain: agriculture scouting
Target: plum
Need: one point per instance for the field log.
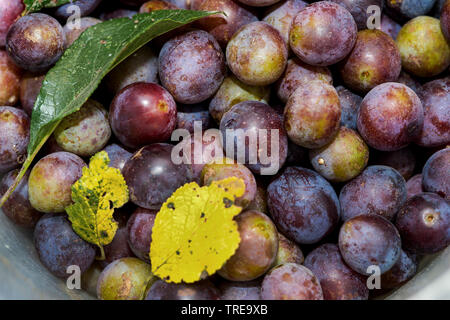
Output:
(30, 86)
(288, 252)
(139, 233)
(10, 76)
(73, 31)
(250, 290)
(202, 290)
(414, 186)
(118, 248)
(358, 9)
(350, 103)
(10, 10)
(436, 174)
(117, 156)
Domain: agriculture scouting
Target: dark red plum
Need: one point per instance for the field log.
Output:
(152, 177)
(141, 66)
(291, 282)
(257, 250)
(86, 7)
(298, 73)
(30, 86)
(312, 114)
(281, 16)
(435, 97)
(10, 76)
(223, 27)
(323, 33)
(59, 247)
(414, 186)
(140, 227)
(378, 190)
(403, 160)
(350, 104)
(263, 137)
(118, 248)
(445, 20)
(117, 156)
(192, 66)
(369, 240)
(405, 268)
(202, 290)
(10, 11)
(257, 54)
(35, 42)
(240, 290)
(18, 207)
(303, 205)
(374, 60)
(390, 117)
(288, 252)
(188, 115)
(143, 113)
(14, 138)
(73, 31)
(410, 82)
(436, 174)
(389, 26)
(358, 9)
(337, 280)
(424, 223)
(343, 159)
(51, 180)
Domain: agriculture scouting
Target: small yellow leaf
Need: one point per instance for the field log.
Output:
(95, 195)
(194, 232)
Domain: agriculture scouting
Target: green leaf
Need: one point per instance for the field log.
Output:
(73, 79)
(36, 5)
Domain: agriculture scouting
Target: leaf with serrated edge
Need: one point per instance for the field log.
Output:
(194, 232)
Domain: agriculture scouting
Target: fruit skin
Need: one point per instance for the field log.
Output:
(143, 113)
(423, 48)
(188, 115)
(288, 252)
(258, 3)
(139, 227)
(405, 268)
(10, 76)
(377, 190)
(18, 208)
(118, 13)
(303, 205)
(152, 177)
(141, 66)
(233, 91)
(223, 170)
(298, 73)
(445, 20)
(118, 248)
(202, 290)
(436, 174)
(124, 279)
(435, 97)
(51, 179)
(117, 156)
(389, 26)
(424, 223)
(408, 9)
(30, 86)
(350, 104)
(10, 10)
(337, 280)
(343, 159)
(414, 186)
(256, 252)
(367, 240)
(410, 82)
(323, 33)
(291, 282)
(14, 137)
(155, 5)
(358, 9)
(220, 26)
(31, 53)
(257, 54)
(403, 160)
(312, 114)
(281, 16)
(72, 33)
(248, 116)
(86, 8)
(259, 203)
(86, 131)
(59, 247)
(250, 290)
(192, 66)
(374, 60)
(390, 117)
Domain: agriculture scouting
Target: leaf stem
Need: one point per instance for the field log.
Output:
(102, 254)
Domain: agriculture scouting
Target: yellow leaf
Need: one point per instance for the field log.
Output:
(95, 195)
(194, 232)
